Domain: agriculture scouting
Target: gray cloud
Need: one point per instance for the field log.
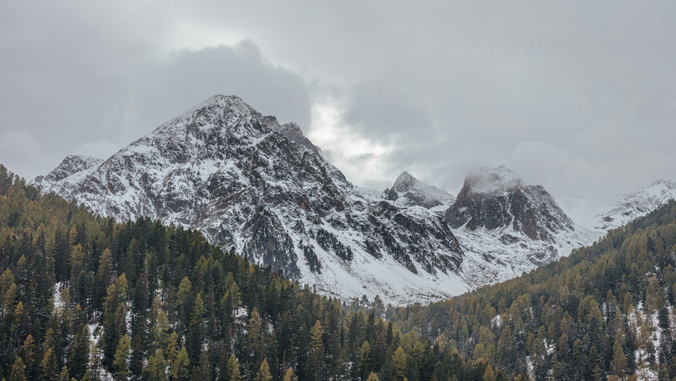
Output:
(67, 88)
(163, 89)
(380, 112)
(575, 95)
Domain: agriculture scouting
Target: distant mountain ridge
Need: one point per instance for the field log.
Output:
(246, 181)
(602, 214)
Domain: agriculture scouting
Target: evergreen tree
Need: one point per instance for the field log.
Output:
(121, 361)
(365, 363)
(155, 370)
(64, 376)
(316, 355)
(180, 368)
(79, 356)
(619, 358)
(18, 371)
(48, 366)
(400, 363)
(233, 373)
(290, 375)
(27, 353)
(264, 372)
(203, 371)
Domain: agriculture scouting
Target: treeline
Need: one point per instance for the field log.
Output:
(85, 298)
(606, 312)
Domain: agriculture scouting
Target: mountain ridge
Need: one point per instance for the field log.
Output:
(228, 171)
(246, 181)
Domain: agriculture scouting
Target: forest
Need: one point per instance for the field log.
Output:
(83, 297)
(606, 312)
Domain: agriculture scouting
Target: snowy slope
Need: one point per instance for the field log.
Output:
(606, 213)
(246, 181)
(63, 179)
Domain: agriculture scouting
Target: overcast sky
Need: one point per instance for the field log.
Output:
(578, 96)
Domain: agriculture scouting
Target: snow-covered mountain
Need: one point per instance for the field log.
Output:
(507, 226)
(246, 181)
(407, 190)
(602, 214)
(63, 179)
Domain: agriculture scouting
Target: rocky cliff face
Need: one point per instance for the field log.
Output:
(507, 226)
(496, 198)
(246, 181)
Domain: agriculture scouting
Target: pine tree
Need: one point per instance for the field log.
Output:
(489, 374)
(400, 361)
(121, 361)
(202, 371)
(95, 363)
(290, 375)
(48, 366)
(233, 373)
(256, 339)
(316, 352)
(365, 363)
(136, 358)
(264, 372)
(619, 358)
(172, 347)
(27, 353)
(64, 376)
(103, 277)
(181, 366)
(114, 326)
(18, 372)
(196, 323)
(373, 377)
(197, 315)
(79, 356)
(155, 368)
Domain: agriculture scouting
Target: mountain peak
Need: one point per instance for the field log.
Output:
(408, 190)
(71, 166)
(404, 182)
(220, 99)
(492, 180)
(496, 198)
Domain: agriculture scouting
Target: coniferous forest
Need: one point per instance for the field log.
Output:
(88, 298)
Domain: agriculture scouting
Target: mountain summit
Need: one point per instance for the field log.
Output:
(497, 198)
(246, 181)
(507, 226)
(407, 190)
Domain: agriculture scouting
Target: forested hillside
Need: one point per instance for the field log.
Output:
(606, 312)
(86, 298)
